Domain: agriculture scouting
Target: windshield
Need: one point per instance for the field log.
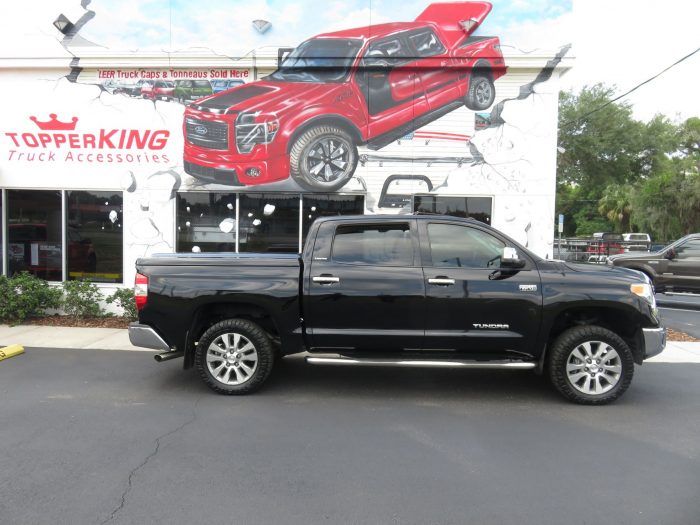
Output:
(319, 60)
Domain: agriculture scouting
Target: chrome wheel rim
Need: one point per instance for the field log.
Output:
(232, 359)
(483, 92)
(593, 368)
(328, 160)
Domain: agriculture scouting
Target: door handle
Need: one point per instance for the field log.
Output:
(441, 281)
(325, 279)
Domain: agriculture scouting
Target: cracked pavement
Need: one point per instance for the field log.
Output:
(92, 437)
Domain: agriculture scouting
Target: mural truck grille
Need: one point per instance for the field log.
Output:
(206, 134)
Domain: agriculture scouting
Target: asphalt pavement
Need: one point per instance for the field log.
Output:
(101, 437)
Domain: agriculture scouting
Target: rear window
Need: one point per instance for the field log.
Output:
(383, 245)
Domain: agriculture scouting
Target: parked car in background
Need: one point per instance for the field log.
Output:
(161, 90)
(604, 244)
(636, 242)
(222, 85)
(675, 268)
(186, 90)
(134, 90)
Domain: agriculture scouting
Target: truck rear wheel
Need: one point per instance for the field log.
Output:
(481, 92)
(323, 158)
(234, 357)
(590, 365)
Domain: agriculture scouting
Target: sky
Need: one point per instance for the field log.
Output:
(616, 42)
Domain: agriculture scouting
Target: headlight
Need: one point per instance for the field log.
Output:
(644, 290)
(254, 128)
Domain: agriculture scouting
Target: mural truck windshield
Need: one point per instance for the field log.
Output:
(322, 60)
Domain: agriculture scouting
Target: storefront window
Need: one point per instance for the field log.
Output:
(269, 222)
(34, 233)
(206, 222)
(94, 221)
(316, 206)
(478, 208)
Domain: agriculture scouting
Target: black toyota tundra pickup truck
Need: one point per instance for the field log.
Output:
(419, 290)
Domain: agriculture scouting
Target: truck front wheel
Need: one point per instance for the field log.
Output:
(590, 365)
(323, 158)
(234, 357)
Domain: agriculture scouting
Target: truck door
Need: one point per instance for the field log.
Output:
(473, 306)
(390, 85)
(364, 289)
(436, 70)
(683, 270)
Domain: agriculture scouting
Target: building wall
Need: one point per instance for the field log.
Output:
(506, 152)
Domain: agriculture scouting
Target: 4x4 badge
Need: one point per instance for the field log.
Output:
(528, 287)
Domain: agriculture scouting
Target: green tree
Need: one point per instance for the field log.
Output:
(616, 206)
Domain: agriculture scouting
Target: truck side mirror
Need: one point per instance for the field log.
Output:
(510, 259)
(670, 254)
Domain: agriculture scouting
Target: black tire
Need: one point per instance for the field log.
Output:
(481, 92)
(214, 338)
(576, 381)
(314, 150)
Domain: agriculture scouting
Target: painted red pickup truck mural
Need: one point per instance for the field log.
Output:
(365, 86)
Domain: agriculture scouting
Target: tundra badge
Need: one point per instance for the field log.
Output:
(528, 287)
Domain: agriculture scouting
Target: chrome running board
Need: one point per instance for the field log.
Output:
(420, 363)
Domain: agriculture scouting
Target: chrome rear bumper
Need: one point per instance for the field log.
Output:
(654, 341)
(146, 337)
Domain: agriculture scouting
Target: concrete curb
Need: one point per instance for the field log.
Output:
(67, 337)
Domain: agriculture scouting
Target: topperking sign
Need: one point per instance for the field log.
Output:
(57, 140)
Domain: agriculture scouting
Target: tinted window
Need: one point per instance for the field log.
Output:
(206, 222)
(426, 43)
(389, 51)
(34, 240)
(478, 208)
(269, 222)
(689, 250)
(453, 245)
(385, 245)
(316, 206)
(94, 236)
(202, 84)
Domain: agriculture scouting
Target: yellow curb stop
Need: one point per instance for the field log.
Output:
(11, 351)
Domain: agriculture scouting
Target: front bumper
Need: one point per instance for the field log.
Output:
(654, 341)
(146, 337)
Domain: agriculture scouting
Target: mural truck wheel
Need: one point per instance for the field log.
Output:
(481, 92)
(323, 158)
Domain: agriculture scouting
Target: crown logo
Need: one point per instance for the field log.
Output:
(54, 124)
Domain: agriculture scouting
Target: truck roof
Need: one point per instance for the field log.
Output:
(374, 32)
(456, 20)
(399, 218)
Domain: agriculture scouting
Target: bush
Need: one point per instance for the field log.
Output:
(82, 298)
(24, 295)
(124, 299)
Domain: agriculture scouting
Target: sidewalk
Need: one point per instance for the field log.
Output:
(118, 339)
(62, 337)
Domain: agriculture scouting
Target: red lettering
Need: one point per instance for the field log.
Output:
(13, 136)
(159, 139)
(45, 139)
(58, 139)
(89, 140)
(106, 139)
(30, 140)
(74, 140)
(135, 136)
